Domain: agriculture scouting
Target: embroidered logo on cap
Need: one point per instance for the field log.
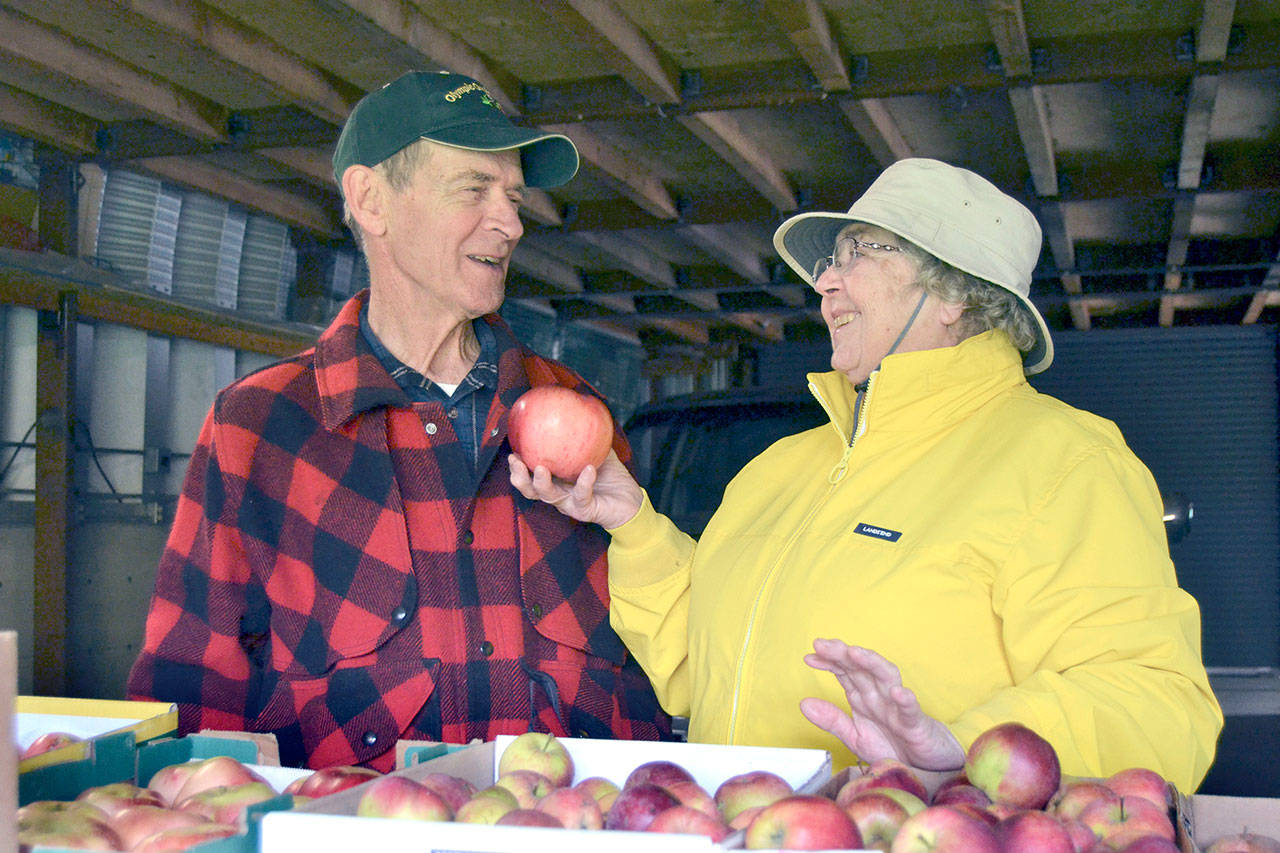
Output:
(877, 532)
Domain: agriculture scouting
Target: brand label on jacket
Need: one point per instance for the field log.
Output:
(877, 532)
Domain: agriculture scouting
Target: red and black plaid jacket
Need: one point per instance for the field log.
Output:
(334, 575)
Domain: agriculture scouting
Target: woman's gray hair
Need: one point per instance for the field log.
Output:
(986, 306)
(397, 170)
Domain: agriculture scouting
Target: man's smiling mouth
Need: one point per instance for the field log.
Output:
(842, 320)
(490, 260)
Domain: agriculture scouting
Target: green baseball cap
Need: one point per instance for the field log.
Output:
(453, 110)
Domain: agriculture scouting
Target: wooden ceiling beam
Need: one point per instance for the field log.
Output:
(24, 37)
(221, 183)
(870, 119)
(1008, 27)
(632, 259)
(540, 265)
(46, 122)
(1053, 221)
(289, 76)
(1269, 295)
(620, 172)
(806, 25)
(722, 133)
(607, 31)
(401, 21)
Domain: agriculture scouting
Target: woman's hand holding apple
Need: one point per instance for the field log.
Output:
(608, 495)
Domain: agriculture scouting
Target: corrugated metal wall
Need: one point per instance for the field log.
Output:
(1199, 407)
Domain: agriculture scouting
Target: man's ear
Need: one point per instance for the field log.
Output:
(365, 193)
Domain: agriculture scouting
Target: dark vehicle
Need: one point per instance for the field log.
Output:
(688, 448)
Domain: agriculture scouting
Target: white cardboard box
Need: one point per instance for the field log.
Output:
(330, 823)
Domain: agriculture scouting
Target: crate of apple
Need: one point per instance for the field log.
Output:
(181, 806)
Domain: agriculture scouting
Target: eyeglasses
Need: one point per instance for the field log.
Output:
(847, 249)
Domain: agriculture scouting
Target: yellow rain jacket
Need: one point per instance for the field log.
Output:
(1004, 550)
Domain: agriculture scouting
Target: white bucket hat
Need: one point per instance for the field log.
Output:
(953, 214)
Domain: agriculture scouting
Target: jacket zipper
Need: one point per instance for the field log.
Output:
(837, 473)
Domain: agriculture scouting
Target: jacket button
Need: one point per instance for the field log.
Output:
(486, 648)
(370, 738)
(468, 538)
(431, 428)
(398, 615)
(535, 611)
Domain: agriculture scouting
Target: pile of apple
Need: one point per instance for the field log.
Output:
(182, 805)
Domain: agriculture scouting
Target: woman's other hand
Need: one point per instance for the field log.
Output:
(609, 496)
(884, 718)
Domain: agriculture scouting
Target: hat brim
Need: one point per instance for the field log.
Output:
(547, 159)
(804, 238)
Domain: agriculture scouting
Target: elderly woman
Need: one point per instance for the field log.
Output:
(983, 552)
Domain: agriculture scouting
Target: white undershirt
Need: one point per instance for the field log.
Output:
(446, 387)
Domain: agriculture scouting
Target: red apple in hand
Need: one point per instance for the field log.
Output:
(1012, 764)
(561, 429)
(803, 822)
(48, 742)
(540, 752)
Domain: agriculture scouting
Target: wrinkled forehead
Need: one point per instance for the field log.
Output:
(867, 231)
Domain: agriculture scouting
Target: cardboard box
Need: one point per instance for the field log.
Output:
(87, 719)
(329, 823)
(1204, 818)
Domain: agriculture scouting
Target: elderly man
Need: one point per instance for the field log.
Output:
(349, 564)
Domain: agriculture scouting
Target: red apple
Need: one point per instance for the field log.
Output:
(694, 796)
(1034, 832)
(138, 822)
(1140, 782)
(604, 790)
(753, 788)
(561, 429)
(179, 781)
(114, 797)
(965, 793)
(574, 808)
(689, 821)
(184, 837)
(888, 773)
(946, 829)
(909, 801)
(1081, 836)
(404, 799)
(637, 805)
(878, 817)
(660, 773)
(540, 752)
(225, 804)
(486, 806)
(48, 742)
(72, 825)
(1074, 796)
(1244, 842)
(1118, 823)
(528, 786)
(744, 817)
(529, 817)
(1150, 844)
(1012, 764)
(803, 822)
(454, 789)
(330, 780)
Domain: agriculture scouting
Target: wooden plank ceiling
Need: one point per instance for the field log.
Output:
(1145, 136)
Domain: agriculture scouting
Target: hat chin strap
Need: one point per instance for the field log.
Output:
(862, 386)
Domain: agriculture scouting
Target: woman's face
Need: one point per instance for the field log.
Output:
(868, 296)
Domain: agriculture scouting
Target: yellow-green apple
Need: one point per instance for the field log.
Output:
(1140, 782)
(878, 817)
(184, 837)
(909, 801)
(540, 752)
(573, 808)
(566, 431)
(404, 799)
(1074, 796)
(689, 821)
(1034, 831)
(1013, 764)
(753, 788)
(660, 773)
(1129, 818)
(226, 803)
(48, 742)
(529, 817)
(114, 797)
(637, 806)
(888, 773)
(528, 786)
(454, 789)
(604, 790)
(1244, 842)
(945, 829)
(138, 822)
(802, 822)
(330, 780)
(1150, 844)
(694, 796)
(486, 806)
(179, 781)
(51, 823)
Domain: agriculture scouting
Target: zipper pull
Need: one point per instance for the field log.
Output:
(837, 473)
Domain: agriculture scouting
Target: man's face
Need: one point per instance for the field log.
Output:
(451, 231)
